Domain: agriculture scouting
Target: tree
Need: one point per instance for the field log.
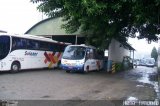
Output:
(102, 20)
(154, 53)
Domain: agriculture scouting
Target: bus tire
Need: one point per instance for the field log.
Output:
(15, 67)
(59, 65)
(99, 68)
(87, 69)
(68, 71)
(85, 72)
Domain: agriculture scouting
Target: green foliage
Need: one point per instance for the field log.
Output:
(102, 20)
(154, 53)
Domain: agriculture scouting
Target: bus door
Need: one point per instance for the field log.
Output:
(90, 63)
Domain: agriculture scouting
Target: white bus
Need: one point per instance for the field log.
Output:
(81, 58)
(19, 52)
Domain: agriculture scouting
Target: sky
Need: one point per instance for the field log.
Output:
(17, 16)
(143, 49)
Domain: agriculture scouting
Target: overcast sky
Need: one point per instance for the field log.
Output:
(17, 16)
(143, 49)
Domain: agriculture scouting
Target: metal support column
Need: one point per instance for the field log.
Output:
(76, 40)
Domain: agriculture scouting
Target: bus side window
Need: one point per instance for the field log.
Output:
(13, 45)
(19, 43)
(90, 54)
(87, 54)
(53, 47)
(61, 48)
(29, 44)
(16, 43)
(44, 46)
(23, 43)
(35, 44)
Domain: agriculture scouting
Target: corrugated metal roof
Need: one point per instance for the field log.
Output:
(126, 45)
(49, 26)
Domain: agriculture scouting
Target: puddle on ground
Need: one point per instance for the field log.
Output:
(9, 103)
(132, 98)
(146, 80)
(150, 76)
(145, 75)
(96, 91)
(46, 96)
(139, 85)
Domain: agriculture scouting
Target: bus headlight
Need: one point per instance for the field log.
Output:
(80, 63)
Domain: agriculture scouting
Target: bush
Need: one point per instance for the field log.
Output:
(118, 67)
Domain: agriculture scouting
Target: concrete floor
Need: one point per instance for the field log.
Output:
(140, 83)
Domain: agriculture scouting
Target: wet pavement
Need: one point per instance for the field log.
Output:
(147, 76)
(140, 83)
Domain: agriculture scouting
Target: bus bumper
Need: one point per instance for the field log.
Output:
(72, 68)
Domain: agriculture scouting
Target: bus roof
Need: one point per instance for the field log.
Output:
(87, 46)
(34, 37)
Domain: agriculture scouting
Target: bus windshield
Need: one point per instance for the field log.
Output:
(74, 52)
(4, 46)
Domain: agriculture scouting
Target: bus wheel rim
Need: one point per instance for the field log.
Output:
(15, 67)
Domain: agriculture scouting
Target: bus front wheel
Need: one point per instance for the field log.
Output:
(68, 71)
(15, 67)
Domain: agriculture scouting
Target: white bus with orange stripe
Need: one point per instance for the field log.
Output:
(19, 52)
(81, 58)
